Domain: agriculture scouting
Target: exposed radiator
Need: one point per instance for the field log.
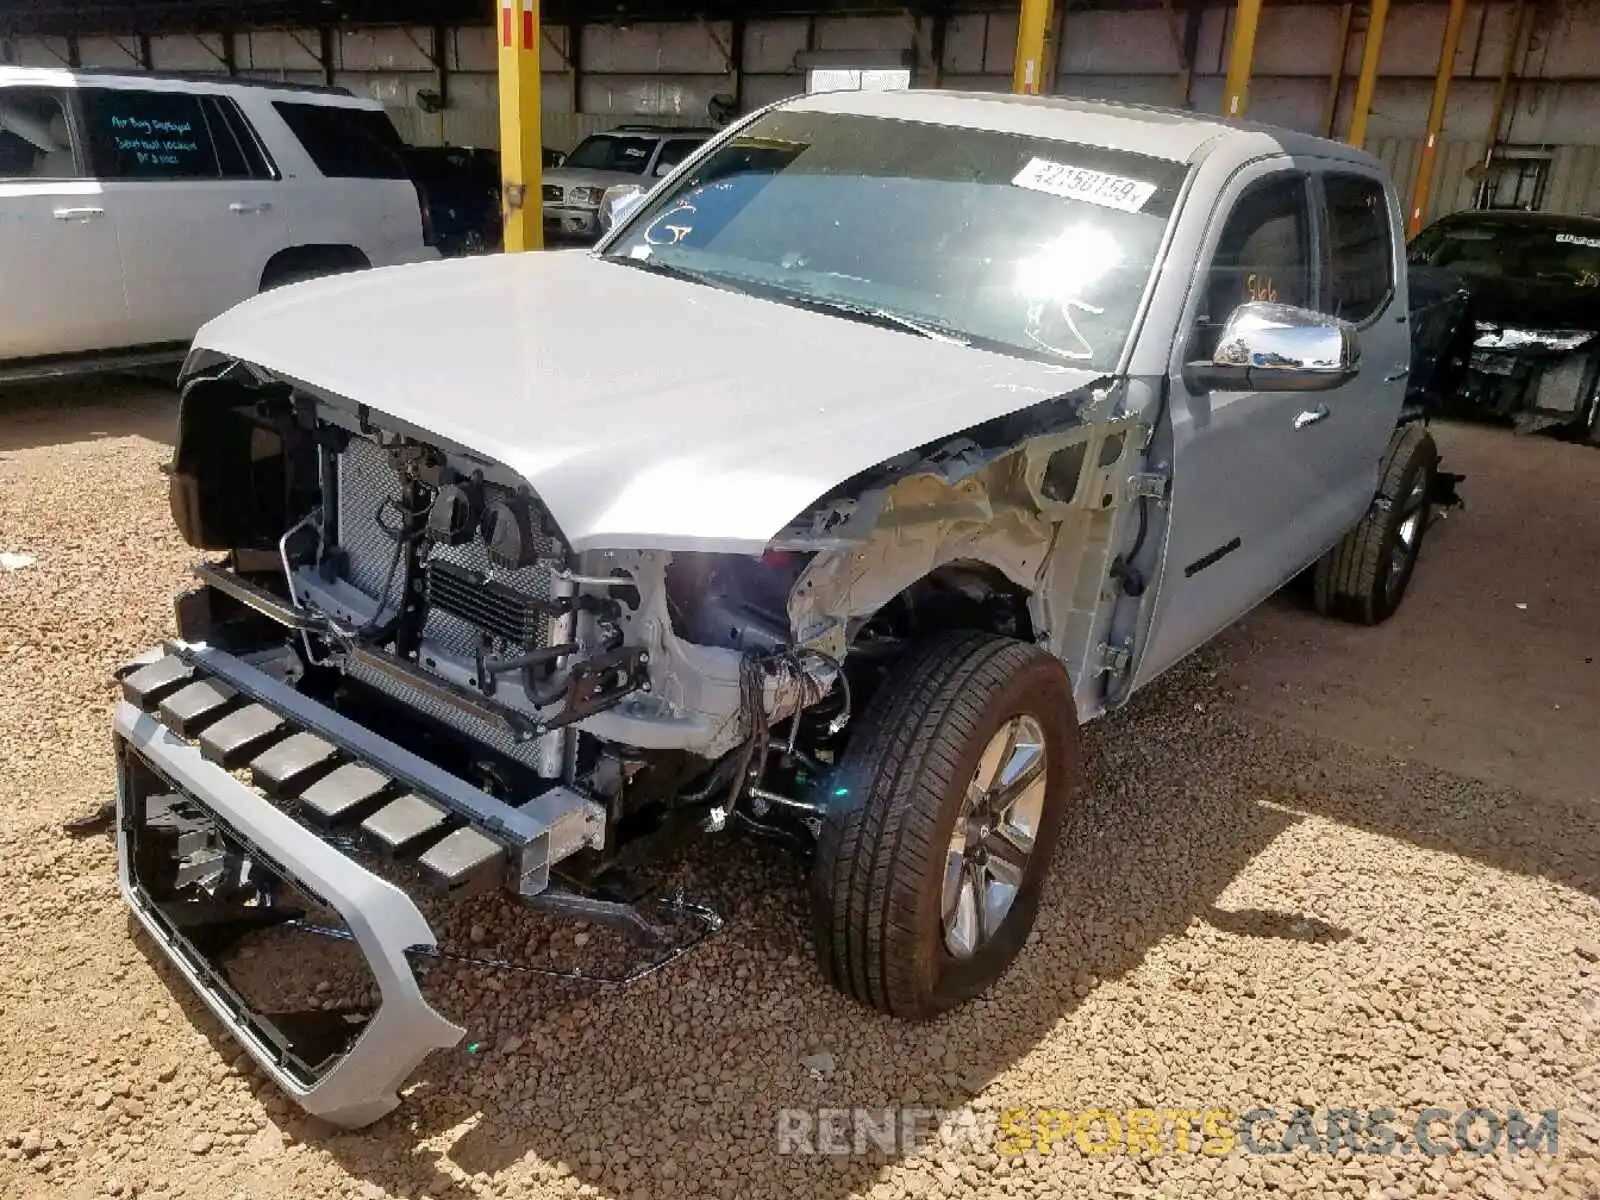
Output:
(368, 485)
(1561, 385)
(498, 609)
(504, 604)
(469, 596)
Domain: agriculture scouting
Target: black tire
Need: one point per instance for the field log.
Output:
(1364, 578)
(1592, 433)
(301, 273)
(879, 875)
(302, 264)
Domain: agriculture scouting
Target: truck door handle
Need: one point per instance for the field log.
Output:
(249, 208)
(1311, 416)
(77, 214)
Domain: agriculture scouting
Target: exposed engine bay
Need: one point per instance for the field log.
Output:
(431, 577)
(1538, 378)
(399, 672)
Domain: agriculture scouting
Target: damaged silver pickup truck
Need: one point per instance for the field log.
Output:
(885, 442)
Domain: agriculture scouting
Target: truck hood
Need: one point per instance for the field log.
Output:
(646, 412)
(1532, 303)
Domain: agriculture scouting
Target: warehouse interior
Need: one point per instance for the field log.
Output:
(1516, 129)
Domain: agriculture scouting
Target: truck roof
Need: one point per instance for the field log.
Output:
(1168, 133)
(175, 81)
(1517, 218)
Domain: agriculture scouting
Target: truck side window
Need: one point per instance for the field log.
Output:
(239, 153)
(147, 135)
(35, 139)
(675, 151)
(1264, 254)
(1360, 256)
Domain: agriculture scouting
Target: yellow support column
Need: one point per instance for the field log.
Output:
(521, 133)
(1330, 108)
(1371, 52)
(1236, 91)
(1441, 93)
(1033, 29)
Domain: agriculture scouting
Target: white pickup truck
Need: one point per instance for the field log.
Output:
(136, 207)
(890, 438)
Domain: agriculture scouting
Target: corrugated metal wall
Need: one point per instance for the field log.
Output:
(1574, 181)
(668, 73)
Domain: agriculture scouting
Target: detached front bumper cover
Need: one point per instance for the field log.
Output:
(363, 1084)
(176, 808)
(205, 858)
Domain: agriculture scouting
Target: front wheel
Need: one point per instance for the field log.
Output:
(1592, 431)
(946, 809)
(1364, 577)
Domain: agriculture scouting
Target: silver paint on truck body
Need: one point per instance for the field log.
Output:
(646, 414)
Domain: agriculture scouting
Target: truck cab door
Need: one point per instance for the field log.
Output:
(1248, 503)
(1361, 260)
(195, 224)
(60, 278)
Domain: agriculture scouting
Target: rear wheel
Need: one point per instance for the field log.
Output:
(300, 263)
(1365, 576)
(948, 801)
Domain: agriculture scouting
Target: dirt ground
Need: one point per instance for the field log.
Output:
(1320, 867)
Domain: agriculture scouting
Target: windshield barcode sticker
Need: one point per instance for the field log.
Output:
(1080, 183)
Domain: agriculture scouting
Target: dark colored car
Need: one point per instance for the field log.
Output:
(460, 189)
(1442, 333)
(1535, 280)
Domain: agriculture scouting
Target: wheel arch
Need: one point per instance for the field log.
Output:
(965, 593)
(294, 263)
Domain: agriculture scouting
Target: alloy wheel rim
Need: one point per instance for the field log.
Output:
(994, 836)
(1408, 536)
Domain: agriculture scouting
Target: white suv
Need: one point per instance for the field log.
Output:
(134, 208)
(627, 154)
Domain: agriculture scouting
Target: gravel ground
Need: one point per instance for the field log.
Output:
(1319, 867)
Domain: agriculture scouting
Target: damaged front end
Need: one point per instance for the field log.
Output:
(398, 682)
(1536, 378)
(374, 700)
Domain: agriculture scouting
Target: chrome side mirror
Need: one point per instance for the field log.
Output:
(1278, 348)
(617, 202)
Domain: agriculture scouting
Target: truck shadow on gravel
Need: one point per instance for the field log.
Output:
(675, 1085)
(60, 412)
